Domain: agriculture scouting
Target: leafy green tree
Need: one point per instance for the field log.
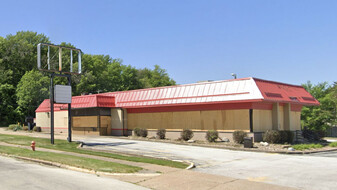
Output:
(104, 74)
(32, 89)
(129, 78)
(1, 52)
(7, 104)
(100, 74)
(18, 53)
(144, 76)
(22, 88)
(7, 101)
(87, 83)
(154, 78)
(323, 116)
(333, 97)
(160, 77)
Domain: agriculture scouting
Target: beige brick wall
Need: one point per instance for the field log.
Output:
(60, 121)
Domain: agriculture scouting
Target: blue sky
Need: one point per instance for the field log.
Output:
(290, 41)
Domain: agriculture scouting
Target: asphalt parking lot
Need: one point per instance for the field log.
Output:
(331, 154)
(314, 171)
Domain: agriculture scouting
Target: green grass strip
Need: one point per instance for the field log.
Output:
(333, 144)
(64, 145)
(306, 146)
(80, 162)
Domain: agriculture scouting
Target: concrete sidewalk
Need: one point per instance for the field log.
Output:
(170, 178)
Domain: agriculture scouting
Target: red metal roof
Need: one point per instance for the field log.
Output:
(96, 100)
(243, 89)
(280, 92)
(226, 91)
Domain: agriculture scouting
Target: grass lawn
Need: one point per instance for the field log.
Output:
(333, 144)
(306, 146)
(72, 147)
(87, 163)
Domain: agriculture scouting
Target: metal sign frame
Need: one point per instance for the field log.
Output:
(59, 73)
(60, 59)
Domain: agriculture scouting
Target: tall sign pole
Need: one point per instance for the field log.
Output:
(69, 114)
(59, 93)
(51, 108)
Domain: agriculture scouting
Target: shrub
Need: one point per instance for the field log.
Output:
(212, 135)
(14, 127)
(18, 128)
(313, 135)
(306, 146)
(143, 132)
(186, 134)
(161, 133)
(25, 128)
(136, 131)
(37, 129)
(290, 137)
(333, 144)
(238, 136)
(272, 136)
(286, 136)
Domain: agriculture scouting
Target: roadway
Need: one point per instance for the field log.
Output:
(17, 175)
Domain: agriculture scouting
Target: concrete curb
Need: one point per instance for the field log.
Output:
(191, 164)
(313, 151)
(64, 166)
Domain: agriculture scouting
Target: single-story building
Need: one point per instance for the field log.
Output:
(249, 104)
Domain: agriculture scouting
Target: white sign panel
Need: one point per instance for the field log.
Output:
(62, 94)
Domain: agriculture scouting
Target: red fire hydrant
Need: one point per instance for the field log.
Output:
(33, 145)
